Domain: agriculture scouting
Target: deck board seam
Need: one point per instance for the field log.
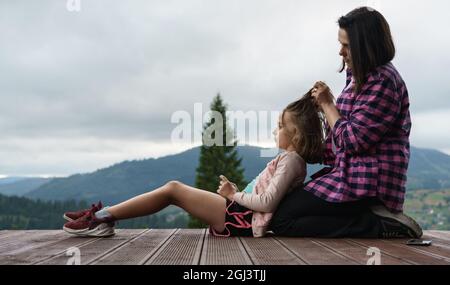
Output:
(152, 254)
(37, 262)
(203, 257)
(116, 247)
(436, 235)
(199, 249)
(388, 253)
(440, 244)
(246, 248)
(282, 247)
(414, 249)
(4, 246)
(244, 251)
(290, 250)
(435, 239)
(38, 246)
(335, 251)
(351, 242)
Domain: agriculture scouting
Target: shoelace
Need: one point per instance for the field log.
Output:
(99, 205)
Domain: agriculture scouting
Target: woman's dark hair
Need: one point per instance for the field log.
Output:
(308, 136)
(370, 40)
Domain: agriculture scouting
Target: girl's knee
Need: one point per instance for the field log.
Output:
(173, 184)
(172, 187)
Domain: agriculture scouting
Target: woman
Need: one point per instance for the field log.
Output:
(367, 144)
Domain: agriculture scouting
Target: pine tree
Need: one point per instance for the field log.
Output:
(219, 159)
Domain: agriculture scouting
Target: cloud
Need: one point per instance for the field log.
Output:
(116, 71)
(431, 129)
(60, 156)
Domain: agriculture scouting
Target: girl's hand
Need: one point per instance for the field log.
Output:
(322, 93)
(226, 188)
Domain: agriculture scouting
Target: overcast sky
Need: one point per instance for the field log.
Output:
(83, 90)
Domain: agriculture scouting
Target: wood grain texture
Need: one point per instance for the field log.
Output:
(197, 246)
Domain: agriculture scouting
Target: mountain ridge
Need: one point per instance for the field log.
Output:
(428, 169)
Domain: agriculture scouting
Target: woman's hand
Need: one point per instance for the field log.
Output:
(226, 188)
(322, 93)
(325, 100)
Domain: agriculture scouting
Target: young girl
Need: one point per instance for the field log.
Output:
(230, 212)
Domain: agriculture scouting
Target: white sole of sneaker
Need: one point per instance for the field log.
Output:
(102, 230)
(400, 217)
(67, 218)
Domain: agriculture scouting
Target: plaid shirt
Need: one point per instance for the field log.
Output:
(368, 147)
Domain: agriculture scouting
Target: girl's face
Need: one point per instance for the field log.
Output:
(284, 132)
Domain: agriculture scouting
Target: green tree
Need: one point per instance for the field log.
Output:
(218, 158)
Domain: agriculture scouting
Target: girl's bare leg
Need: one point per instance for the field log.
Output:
(204, 205)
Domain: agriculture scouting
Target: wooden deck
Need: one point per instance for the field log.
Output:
(198, 247)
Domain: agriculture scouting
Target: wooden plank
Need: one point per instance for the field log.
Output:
(182, 248)
(267, 251)
(90, 251)
(45, 251)
(116, 248)
(138, 250)
(443, 237)
(224, 251)
(358, 253)
(4, 234)
(36, 244)
(441, 234)
(11, 236)
(436, 250)
(436, 240)
(405, 254)
(197, 247)
(28, 239)
(314, 253)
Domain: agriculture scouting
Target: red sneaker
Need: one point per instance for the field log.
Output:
(72, 216)
(89, 226)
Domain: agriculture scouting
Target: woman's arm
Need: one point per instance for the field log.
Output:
(374, 111)
(331, 113)
(329, 156)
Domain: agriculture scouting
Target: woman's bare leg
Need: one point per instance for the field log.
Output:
(204, 205)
